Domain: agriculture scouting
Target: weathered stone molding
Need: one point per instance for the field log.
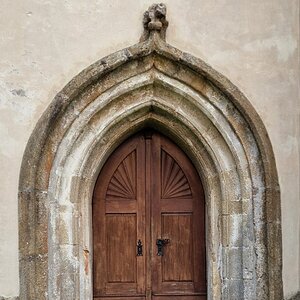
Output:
(150, 84)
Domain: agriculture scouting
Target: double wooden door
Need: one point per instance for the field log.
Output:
(148, 224)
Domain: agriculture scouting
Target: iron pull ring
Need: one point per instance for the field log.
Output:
(160, 246)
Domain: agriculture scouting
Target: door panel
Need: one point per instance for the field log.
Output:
(121, 252)
(178, 216)
(119, 222)
(177, 262)
(149, 190)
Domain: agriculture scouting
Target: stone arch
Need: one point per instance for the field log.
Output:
(150, 84)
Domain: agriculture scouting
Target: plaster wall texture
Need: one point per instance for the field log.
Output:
(45, 43)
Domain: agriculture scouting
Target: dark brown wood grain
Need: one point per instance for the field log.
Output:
(177, 262)
(148, 189)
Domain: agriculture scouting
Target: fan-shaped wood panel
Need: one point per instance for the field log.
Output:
(174, 182)
(123, 181)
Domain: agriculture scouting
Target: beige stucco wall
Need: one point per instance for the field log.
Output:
(43, 44)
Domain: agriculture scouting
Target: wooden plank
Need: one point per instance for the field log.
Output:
(121, 298)
(179, 297)
(156, 211)
(123, 206)
(148, 201)
(141, 215)
(176, 205)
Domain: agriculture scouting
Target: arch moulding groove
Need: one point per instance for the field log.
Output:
(150, 84)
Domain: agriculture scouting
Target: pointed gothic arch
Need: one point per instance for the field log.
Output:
(150, 84)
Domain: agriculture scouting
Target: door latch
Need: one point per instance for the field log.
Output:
(139, 247)
(160, 246)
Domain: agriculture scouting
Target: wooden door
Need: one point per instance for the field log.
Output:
(149, 194)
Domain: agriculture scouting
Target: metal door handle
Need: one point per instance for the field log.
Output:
(160, 245)
(139, 247)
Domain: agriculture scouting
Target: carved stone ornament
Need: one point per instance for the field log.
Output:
(150, 84)
(155, 20)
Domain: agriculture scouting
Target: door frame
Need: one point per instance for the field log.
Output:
(150, 84)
